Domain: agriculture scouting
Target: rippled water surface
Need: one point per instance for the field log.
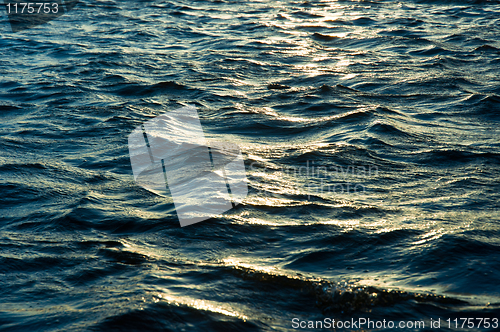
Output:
(398, 100)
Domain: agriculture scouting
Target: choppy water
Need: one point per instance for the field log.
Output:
(401, 99)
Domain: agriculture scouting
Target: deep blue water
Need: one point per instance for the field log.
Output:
(401, 100)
